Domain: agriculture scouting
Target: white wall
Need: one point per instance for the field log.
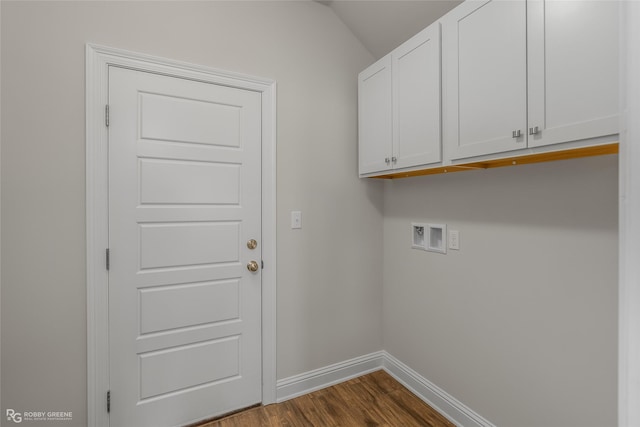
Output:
(329, 273)
(520, 324)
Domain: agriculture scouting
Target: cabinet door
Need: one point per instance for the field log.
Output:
(416, 100)
(573, 70)
(375, 117)
(484, 78)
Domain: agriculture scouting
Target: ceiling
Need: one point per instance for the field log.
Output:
(382, 25)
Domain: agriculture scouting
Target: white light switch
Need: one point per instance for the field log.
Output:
(296, 219)
(454, 239)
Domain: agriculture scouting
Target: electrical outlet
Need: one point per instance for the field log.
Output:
(454, 239)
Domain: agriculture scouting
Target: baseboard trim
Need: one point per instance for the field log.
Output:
(308, 382)
(440, 400)
(447, 405)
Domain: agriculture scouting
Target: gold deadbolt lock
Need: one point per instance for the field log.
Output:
(252, 244)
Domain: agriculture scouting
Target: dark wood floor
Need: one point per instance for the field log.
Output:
(372, 400)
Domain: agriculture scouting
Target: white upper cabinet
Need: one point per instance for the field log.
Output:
(416, 100)
(523, 74)
(484, 77)
(375, 130)
(573, 70)
(399, 107)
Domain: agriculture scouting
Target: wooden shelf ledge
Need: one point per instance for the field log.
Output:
(574, 153)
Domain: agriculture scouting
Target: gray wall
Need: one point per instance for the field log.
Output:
(520, 324)
(328, 311)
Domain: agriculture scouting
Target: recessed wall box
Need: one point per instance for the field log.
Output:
(437, 238)
(419, 236)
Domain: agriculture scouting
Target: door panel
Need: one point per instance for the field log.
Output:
(165, 308)
(571, 95)
(185, 367)
(166, 245)
(484, 77)
(184, 197)
(196, 121)
(416, 97)
(375, 133)
(180, 182)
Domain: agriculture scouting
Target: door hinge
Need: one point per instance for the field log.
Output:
(107, 258)
(109, 401)
(106, 115)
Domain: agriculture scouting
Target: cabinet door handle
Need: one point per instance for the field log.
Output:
(394, 159)
(386, 160)
(516, 134)
(534, 130)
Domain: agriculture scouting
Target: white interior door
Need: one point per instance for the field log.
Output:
(184, 199)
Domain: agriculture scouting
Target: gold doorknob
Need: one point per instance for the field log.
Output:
(253, 266)
(252, 244)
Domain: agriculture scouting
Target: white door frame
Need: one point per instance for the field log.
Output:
(629, 220)
(98, 60)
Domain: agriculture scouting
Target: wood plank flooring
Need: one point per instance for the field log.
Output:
(376, 399)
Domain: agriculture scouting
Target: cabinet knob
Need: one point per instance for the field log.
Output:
(516, 134)
(394, 159)
(386, 160)
(534, 130)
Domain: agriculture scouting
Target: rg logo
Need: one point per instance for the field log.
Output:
(14, 416)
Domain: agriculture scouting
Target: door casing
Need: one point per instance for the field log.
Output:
(98, 60)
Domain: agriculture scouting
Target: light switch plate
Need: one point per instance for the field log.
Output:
(296, 219)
